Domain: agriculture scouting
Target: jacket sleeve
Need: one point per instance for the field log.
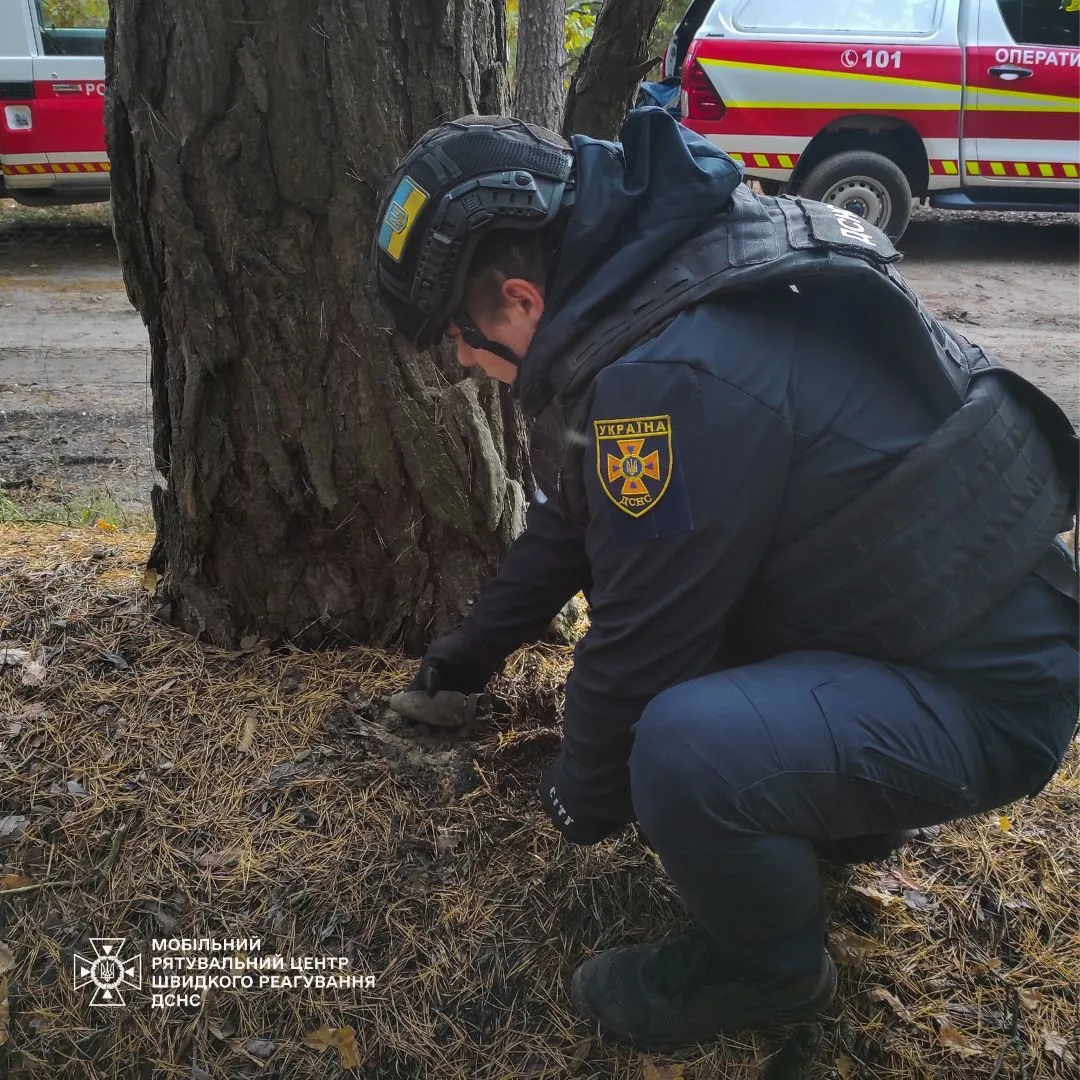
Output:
(674, 538)
(545, 567)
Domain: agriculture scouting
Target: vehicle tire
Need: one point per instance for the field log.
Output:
(867, 184)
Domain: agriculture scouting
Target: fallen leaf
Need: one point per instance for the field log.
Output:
(12, 826)
(75, 788)
(953, 1039)
(12, 657)
(105, 526)
(116, 660)
(582, 1051)
(285, 771)
(447, 840)
(220, 1031)
(34, 671)
(918, 901)
(879, 993)
(845, 1068)
(248, 642)
(1004, 823)
(262, 1048)
(849, 948)
(150, 579)
(1056, 1044)
(14, 881)
(7, 959)
(215, 860)
(342, 1039)
(1018, 903)
(987, 1016)
(247, 736)
(882, 899)
(895, 880)
(1030, 999)
(662, 1072)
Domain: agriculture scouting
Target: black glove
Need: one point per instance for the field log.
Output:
(558, 804)
(455, 662)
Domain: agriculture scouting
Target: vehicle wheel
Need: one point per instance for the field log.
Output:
(865, 183)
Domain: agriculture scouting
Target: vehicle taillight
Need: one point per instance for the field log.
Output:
(700, 99)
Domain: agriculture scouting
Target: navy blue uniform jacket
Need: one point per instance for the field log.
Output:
(776, 415)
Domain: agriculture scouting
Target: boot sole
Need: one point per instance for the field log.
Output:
(809, 1010)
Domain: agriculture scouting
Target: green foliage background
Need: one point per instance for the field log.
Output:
(580, 22)
(75, 13)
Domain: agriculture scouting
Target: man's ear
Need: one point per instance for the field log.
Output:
(522, 294)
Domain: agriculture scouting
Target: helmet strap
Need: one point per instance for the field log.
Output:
(472, 337)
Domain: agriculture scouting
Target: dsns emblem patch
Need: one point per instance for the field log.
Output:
(633, 461)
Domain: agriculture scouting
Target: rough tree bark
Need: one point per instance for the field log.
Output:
(616, 60)
(539, 83)
(322, 484)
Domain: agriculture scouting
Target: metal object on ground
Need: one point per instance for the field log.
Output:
(446, 709)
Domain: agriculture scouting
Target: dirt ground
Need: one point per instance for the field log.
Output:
(74, 401)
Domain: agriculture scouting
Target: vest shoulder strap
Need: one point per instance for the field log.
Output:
(764, 242)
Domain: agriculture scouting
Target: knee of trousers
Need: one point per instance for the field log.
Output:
(671, 782)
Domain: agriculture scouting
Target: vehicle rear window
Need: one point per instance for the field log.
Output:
(1042, 22)
(73, 27)
(840, 16)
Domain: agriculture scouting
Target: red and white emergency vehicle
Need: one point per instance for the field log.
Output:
(52, 98)
(966, 104)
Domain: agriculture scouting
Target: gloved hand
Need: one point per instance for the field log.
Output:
(453, 662)
(558, 803)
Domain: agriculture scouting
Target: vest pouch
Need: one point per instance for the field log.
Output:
(933, 546)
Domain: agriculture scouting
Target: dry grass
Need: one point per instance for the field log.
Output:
(14, 215)
(174, 790)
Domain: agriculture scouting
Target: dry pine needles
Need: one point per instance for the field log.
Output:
(154, 788)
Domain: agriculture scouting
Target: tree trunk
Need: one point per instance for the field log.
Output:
(540, 90)
(603, 87)
(322, 483)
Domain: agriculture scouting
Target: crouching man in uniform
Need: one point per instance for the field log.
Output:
(817, 530)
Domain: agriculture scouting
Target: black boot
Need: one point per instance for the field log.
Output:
(668, 995)
(863, 849)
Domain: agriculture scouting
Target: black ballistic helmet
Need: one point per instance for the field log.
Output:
(459, 182)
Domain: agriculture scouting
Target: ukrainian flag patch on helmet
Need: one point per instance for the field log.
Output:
(400, 217)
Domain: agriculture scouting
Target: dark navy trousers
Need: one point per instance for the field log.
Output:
(737, 774)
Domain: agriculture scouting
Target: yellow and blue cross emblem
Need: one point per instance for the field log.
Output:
(405, 206)
(633, 461)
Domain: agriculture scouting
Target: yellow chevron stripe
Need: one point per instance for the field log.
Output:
(901, 106)
(887, 80)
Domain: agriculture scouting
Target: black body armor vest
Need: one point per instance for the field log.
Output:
(928, 549)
